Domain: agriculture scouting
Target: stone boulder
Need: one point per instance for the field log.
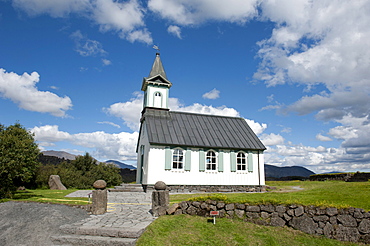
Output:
(55, 183)
(304, 223)
(100, 184)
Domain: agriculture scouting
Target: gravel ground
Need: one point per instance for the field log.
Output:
(33, 223)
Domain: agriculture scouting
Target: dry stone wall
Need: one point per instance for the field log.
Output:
(352, 224)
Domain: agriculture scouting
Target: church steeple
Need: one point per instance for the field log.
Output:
(157, 68)
(156, 86)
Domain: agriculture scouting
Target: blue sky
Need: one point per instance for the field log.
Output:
(298, 72)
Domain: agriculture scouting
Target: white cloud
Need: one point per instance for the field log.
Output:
(213, 94)
(355, 131)
(320, 41)
(21, 89)
(139, 35)
(175, 30)
(286, 129)
(50, 134)
(193, 12)
(129, 111)
(125, 18)
(318, 159)
(175, 105)
(87, 47)
(257, 128)
(323, 138)
(109, 123)
(272, 139)
(106, 62)
(119, 146)
(54, 8)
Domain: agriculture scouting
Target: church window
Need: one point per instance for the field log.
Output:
(157, 100)
(241, 164)
(178, 159)
(211, 161)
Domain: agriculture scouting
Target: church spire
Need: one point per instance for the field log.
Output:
(157, 68)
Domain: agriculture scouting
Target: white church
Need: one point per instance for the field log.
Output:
(194, 152)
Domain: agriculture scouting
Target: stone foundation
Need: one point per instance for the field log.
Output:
(352, 224)
(209, 188)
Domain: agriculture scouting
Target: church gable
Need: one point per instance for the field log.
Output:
(157, 80)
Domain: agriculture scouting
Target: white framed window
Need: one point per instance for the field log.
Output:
(241, 162)
(178, 159)
(211, 161)
(157, 99)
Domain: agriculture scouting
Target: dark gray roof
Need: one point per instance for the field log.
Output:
(157, 75)
(157, 68)
(198, 130)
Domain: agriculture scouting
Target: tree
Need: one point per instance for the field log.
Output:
(18, 158)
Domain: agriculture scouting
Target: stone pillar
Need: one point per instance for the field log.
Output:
(99, 197)
(160, 199)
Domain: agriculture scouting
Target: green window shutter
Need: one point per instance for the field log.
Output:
(250, 162)
(232, 161)
(202, 161)
(187, 160)
(221, 161)
(168, 159)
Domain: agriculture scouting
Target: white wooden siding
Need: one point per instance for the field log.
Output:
(155, 171)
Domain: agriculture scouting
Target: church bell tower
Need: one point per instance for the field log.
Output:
(156, 86)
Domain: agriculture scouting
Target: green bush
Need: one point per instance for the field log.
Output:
(80, 173)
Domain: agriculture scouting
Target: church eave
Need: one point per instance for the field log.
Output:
(156, 80)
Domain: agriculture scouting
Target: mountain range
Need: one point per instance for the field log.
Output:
(280, 172)
(120, 164)
(59, 154)
(68, 156)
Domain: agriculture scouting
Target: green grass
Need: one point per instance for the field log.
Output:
(194, 230)
(48, 196)
(319, 193)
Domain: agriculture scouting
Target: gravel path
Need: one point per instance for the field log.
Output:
(33, 223)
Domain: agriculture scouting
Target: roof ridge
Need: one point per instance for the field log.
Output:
(211, 115)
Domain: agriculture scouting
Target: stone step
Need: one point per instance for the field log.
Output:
(128, 188)
(122, 232)
(86, 240)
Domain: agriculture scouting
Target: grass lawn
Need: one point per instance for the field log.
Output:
(319, 193)
(48, 196)
(194, 230)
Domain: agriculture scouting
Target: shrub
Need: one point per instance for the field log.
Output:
(80, 173)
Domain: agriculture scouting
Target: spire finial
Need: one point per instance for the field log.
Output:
(156, 47)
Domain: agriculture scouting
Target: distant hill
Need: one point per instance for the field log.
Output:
(121, 164)
(59, 154)
(53, 160)
(280, 172)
